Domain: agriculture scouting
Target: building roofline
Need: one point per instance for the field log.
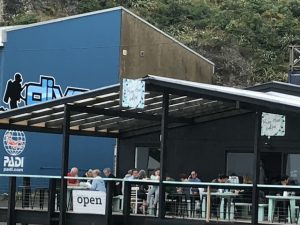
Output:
(66, 18)
(14, 28)
(262, 100)
(3, 33)
(99, 12)
(277, 86)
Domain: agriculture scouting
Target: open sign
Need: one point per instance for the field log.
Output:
(86, 201)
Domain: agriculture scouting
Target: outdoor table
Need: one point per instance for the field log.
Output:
(271, 205)
(222, 195)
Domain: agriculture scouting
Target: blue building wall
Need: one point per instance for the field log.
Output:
(82, 52)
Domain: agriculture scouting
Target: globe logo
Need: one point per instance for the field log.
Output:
(14, 142)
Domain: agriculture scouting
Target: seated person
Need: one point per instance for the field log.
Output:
(181, 195)
(183, 190)
(245, 195)
(194, 178)
(194, 191)
(134, 174)
(215, 201)
(143, 189)
(170, 189)
(116, 187)
(88, 174)
(73, 173)
(97, 183)
(128, 174)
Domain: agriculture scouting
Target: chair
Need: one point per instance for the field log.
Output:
(135, 201)
(196, 203)
(117, 203)
(40, 191)
(261, 212)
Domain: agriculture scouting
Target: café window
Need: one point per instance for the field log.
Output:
(147, 158)
(239, 163)
(293, 167)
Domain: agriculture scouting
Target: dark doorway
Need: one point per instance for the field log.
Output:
(272, 164)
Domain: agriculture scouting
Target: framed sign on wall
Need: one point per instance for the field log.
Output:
(272, 125)
(133, 94)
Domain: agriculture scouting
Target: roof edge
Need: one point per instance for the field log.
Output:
(105, 11)
(3, 33)
(170, 37)
(275, 85)
(65, 18)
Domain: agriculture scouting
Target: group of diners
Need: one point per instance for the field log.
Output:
(150, 193)
(92, 179)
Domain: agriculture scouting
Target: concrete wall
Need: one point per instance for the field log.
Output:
(145, 50)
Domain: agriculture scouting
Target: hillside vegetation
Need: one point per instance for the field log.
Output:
(247, 39)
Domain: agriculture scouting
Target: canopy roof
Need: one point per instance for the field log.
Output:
(98, 112)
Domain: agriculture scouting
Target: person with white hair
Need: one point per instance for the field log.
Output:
(73, 173)
(98, 183)
(116, 187)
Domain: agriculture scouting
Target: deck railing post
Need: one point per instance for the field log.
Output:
(208, 204)
(26, 192)
(163, 155)
(65, 164)
(51, 200)
(126, 202)
(108, 205)
(256, 165)
(11, 201)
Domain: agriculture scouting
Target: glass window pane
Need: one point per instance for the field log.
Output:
(147, 158)
(293, 167)
(240, 164)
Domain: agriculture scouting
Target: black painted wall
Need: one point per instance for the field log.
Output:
(203, 146)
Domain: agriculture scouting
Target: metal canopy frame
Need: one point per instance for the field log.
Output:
(98, 112)
(168, 103)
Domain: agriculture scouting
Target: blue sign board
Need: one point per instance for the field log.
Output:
(49, 61)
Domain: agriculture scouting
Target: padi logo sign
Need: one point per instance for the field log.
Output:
(14, 143)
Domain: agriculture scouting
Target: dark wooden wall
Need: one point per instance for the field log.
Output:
(203, 146)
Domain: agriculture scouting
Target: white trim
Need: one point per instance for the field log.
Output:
(27, 175)
(248, 93)
(65, 18)
(3, 33)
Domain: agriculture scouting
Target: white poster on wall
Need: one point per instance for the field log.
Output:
(133, 94)
(87, 201)
(272, 125)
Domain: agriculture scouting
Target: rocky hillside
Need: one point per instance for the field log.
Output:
(247, 39)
